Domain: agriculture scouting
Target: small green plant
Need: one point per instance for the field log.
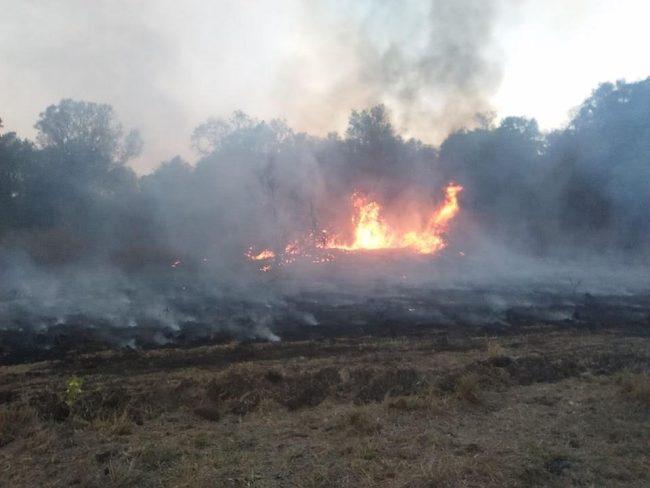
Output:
(73, 390)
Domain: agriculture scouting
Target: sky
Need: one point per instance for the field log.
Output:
(166, 66)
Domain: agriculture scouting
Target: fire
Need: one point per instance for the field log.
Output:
(371, 231)
(261, 256)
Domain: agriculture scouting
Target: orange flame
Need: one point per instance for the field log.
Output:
(371, 231)
(261, 256)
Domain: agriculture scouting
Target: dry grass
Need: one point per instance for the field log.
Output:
(16, 421)
(446, 471)
(114, 425)
(363, 423)
(395, 417)
(468, 388)
(494, 349)
(429, 401)
(122, 473)
(636, 388)
(155, 455)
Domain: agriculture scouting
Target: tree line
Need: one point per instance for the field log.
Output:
(70, 194)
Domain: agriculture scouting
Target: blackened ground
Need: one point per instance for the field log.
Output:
(324, 315)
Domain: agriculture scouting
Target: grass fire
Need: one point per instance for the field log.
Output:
(370, 232)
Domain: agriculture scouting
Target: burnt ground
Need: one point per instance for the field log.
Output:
(316, 316)
(444, 388)
(522, 401)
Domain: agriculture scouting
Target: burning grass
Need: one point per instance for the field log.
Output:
(422, 232)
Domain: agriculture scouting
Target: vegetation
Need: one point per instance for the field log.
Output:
(71, 193)
(300, 414)
(73, 391)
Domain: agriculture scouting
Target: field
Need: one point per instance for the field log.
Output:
(536, 405)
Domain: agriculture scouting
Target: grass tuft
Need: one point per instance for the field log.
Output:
(115, 425)
(495, 350)
(636, 388)
(468, 388)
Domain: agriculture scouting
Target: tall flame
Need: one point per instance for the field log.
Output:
(371, 231)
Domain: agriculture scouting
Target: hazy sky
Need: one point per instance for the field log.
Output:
(167, 65)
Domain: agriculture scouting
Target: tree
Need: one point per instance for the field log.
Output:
(370, 127)
(498, 167)
(240, 133)
(603, 165)
(17, 166)
(87, 128)
(82, 178)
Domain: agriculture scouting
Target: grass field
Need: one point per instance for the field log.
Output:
(540, 406)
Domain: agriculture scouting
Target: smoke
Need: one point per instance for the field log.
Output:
(433, 64)
(164, 68)
(455, 74)
(92, 253)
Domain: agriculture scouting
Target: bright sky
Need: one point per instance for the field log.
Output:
(167, 65)
(557, 51)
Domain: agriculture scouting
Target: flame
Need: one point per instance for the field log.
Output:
(261, 256)
(372, 232)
